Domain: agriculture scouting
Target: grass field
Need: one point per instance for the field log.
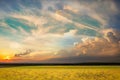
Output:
(60, 73)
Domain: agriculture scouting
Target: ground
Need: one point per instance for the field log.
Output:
(60, 73)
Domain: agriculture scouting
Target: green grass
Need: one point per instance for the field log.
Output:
(60, 73)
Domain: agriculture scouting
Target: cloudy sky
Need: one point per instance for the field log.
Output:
(59, 31)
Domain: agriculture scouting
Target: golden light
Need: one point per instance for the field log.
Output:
(6, 54)
(7, 58)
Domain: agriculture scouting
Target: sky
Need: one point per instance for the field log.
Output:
(59, 31)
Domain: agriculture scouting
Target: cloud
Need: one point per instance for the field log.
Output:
(98, 10)
(66, 7)
(100, 46)
(31, 19)
(107, 45)
(26, 52)
(57, 15)
(66, 14)
(66, 17)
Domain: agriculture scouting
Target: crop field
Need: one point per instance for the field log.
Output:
(60, 73)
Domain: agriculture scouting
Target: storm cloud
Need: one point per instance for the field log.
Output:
(108, 45)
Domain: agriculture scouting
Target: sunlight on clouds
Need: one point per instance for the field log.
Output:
(36, 20)
(59, 17)
(100, 46)
(52, 29)
(71, 9)
(15, 45)
(70, 33)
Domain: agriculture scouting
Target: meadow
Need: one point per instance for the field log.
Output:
(60, 73)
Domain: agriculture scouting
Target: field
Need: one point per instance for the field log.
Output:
(60, 73)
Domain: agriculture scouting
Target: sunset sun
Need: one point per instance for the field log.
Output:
(7, 58)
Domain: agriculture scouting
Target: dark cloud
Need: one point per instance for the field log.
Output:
(59, 6)
(112, 37)
(66, 53)
(26, 52)
(84, 59)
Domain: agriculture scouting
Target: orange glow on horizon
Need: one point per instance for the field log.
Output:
(6, 54)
